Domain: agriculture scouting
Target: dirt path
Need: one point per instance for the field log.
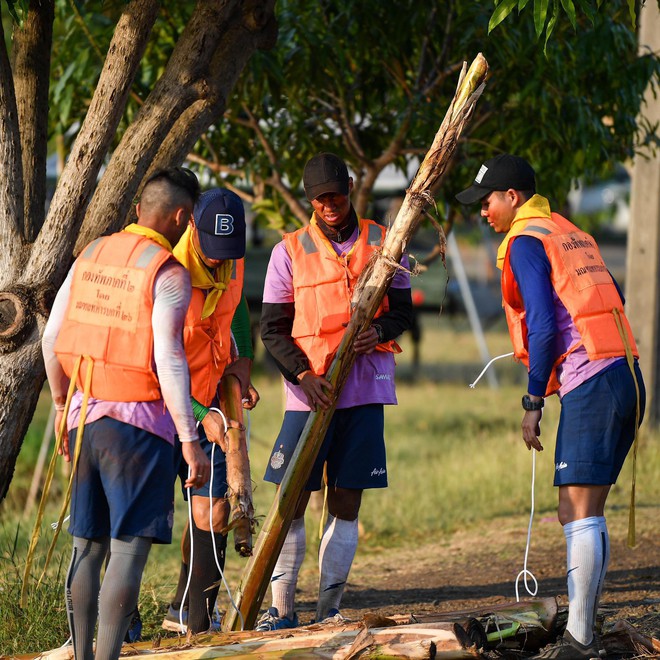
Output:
(478, 567)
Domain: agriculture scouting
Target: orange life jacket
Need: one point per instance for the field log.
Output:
(582, 282)
(323, 284)
(208, 341)
(109, 317)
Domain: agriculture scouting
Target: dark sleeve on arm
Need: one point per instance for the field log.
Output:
(531, 270)
(399, 318)
(276, 325)
(240, 328)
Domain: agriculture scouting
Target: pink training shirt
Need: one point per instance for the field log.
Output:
(371, 380)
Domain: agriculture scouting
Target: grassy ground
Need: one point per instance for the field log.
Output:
(455, 461)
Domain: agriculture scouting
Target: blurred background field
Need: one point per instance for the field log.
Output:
(455, 460)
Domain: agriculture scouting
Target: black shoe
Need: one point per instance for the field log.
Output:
(568, 648)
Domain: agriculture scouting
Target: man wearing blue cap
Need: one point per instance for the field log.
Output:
(217, 341)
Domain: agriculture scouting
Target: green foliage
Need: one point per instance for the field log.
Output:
(372, 81)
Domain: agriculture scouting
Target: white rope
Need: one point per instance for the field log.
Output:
(524, 573)
(215, 551)
(54, 525)
(483, 371)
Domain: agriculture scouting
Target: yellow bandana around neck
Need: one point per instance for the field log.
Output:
(326, 241)
(200, 276)
(535, 207)
(152, 234)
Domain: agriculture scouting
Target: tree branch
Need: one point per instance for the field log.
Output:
(11, 182)
(49, 259)
(32, 53)
(210, 54)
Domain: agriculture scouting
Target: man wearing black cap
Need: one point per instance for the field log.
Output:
(566, 321)
(213, 250)
(306, 306)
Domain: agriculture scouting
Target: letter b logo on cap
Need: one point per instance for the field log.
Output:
(224, 224)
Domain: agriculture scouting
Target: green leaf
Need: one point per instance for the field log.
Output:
(522, 4)
(569, 8)
(501, 12)
(632, 12)
(540, 15)
(551, 26)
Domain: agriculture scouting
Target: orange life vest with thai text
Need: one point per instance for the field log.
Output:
(584, 285)
(323, 284)
(108, 317)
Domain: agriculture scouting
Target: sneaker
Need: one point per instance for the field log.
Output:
(333, 617)
(172, 621)
(568, 648)
(271, 620)
(134, 632)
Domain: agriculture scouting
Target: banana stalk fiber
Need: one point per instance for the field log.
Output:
(239, 494)
(369, 291)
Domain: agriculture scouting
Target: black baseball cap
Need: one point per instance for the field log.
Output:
(499, 173)
(325, 173)
(220, 220)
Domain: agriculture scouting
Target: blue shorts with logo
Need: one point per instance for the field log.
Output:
(353, 448)
(124, 483)
(218, 481)
(597, 427)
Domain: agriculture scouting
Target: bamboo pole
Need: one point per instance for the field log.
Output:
(241, 513)
(369, 292)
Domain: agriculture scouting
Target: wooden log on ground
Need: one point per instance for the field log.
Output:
(368, 294)
(323, 642)
(241, 513)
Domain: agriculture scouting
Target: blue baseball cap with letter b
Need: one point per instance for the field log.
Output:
(220, 220)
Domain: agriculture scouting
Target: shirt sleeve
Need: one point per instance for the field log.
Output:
(240, 329)
(58, 381)
(278, 285)
(531, 270)
(171, 300)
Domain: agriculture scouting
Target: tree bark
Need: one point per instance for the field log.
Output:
(11, 181)
(32, 51)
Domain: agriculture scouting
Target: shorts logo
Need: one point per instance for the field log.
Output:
(377, 472)
(277, 460)
(560, 466)
(224, 224)
(383, 377)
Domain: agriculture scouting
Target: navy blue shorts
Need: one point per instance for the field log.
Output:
(124, 483)
(219, 475)
(354, 449)
(597, 427)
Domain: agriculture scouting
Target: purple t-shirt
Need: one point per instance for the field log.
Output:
(371, 379)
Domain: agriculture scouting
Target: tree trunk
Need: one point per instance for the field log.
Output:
(32, 47)
(30, 275)
(217, 42)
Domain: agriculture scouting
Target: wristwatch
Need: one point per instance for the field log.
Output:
(530, 405)
(379, 331)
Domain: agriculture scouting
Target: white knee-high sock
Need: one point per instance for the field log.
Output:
(605, 543)
(336, 553)
(285, 574)
(584, 565)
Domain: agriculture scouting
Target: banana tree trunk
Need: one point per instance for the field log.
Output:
(369, 292)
